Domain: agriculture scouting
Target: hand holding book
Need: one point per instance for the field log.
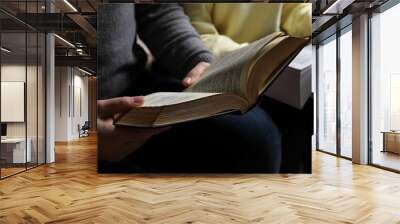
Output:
(115, 142)
(233, 82)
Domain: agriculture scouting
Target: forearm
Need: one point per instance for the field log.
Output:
(170, 37)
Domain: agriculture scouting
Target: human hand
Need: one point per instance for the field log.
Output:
(116, 142)
(195, 74)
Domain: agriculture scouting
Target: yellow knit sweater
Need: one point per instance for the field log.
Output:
(227, 26)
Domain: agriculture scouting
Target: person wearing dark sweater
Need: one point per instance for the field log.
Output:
(228, 143)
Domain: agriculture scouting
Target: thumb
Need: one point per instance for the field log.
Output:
(195, 74)
(110, 107)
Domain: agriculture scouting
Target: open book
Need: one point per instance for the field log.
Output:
(233, 82)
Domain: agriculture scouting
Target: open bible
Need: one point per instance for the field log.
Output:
(233, 82)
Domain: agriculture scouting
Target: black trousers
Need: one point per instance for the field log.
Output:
(249, 143)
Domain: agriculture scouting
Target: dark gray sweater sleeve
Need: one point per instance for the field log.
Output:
(167, 31)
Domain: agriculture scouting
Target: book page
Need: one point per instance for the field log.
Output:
(278, 54)
(170, 98)
(228, 74)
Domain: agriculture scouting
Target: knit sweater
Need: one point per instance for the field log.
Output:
(173, 41)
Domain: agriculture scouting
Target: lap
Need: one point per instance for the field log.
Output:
(227, 143)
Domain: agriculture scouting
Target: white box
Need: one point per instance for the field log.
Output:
(293, 86)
